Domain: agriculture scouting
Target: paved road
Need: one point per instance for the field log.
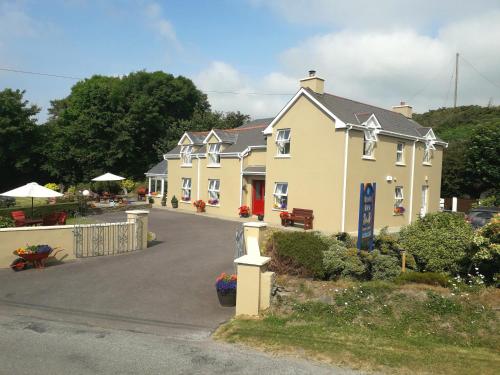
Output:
(149, 312)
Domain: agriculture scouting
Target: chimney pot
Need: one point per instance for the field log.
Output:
(312, 73)
(403, 102)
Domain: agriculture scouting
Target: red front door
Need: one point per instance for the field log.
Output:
(258, 194)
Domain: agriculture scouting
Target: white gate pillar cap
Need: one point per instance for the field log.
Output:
(252, 260)
(255, 224)
(137, 212)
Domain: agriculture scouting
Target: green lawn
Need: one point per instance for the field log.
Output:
(26, 202)
(81, 220)
(378, 326)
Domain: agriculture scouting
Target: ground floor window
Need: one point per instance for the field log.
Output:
(398, 200)
(186, 189)
(213, 192)
(280, 195)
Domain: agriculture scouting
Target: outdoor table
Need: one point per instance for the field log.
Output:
(33, 222)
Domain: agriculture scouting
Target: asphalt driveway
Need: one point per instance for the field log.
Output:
(169, 286)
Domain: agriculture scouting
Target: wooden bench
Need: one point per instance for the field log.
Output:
(302, 215)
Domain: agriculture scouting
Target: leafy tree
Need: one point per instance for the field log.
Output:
(18, 135)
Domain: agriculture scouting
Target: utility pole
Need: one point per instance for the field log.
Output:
(456, 81)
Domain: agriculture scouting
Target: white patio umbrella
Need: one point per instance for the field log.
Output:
(32, 190)
(108, 177)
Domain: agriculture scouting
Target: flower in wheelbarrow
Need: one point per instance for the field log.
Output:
(41, 249)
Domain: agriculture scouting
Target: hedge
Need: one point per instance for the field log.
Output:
(40, 211)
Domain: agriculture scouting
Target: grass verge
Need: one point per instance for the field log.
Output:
(378, 326)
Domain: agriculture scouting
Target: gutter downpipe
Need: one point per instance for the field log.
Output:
(344, 187)
(411, 182)
(198, 182)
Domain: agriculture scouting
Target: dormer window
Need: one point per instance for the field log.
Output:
(428, 151)
(370, 139)
(186, 154)
(214, 153)
(283, 142)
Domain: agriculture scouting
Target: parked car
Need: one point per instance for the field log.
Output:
(480, 216)
(7, 201)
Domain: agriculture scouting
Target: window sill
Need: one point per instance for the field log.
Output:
(187, 202)
(213, 165)
(288, 156)
(401, 164)
(186, 165)
(279, 209)
(213, 205)
(427, 164)
(398, 214)
(368, 158)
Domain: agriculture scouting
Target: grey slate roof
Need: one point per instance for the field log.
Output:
(254, 169)
(159, 169)
(353, 112)
(197, 137)
(226, 136)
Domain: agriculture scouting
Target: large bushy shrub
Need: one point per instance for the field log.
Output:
(300, 249)
(339, 261)
(6, 222)
(485, 254)
(439, 242)
(383, 267)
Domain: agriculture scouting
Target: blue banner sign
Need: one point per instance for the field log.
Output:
(366, 216)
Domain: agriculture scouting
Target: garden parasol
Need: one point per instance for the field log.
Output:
(108, 177)
(32, 190)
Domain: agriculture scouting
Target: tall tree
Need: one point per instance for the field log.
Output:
(113, 124)
(18, 137)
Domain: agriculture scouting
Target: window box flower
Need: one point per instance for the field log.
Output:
(213, 202)
(200, 205)
(185, 198)
(244, 211)
(225, 285)
(399, 210)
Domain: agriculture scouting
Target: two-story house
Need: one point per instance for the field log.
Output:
(314, 154)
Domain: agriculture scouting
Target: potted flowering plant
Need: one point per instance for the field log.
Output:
(185, 198)
(175, 202)
(284, 216)
(244, 211)
(200, 205)
(225, 285)
(213, 201)
(399, 210)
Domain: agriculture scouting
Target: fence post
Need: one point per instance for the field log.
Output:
(141, 218)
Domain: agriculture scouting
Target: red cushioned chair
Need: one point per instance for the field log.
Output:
(62, 218)
(19, 218)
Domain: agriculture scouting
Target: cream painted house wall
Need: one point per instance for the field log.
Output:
(255, 157)
(314, 170)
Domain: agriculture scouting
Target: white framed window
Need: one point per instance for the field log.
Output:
(398, 196)
(213, 192)
(280, 195)
(400, 156)
(186, 154)
(370, 139)
(283, 141)
(428, 151)
(213, 153)
(186, 189)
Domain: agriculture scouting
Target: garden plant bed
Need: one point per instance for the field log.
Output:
(379, 326)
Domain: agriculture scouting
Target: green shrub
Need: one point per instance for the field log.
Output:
(429, 278)
(439, 242)
(338, 261)
(128, 185)
(303, 249)
(6, 222)
(40, 211)
(384, 267)
(347, 239)
(485, 253)
(52, 186)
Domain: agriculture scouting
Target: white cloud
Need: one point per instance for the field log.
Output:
(163, 26)
(377, 66)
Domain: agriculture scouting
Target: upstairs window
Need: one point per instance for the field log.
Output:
(400, 157)
(370, 139)
(280, 195)
(428, 150)
(186, 189)
(214, 154)
(213, 192)
(186, 154)
(283, 142)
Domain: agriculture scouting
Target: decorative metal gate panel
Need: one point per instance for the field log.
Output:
(240, 243)
(107, 239)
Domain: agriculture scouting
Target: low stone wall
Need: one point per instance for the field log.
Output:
(63, 237)
(60, 236)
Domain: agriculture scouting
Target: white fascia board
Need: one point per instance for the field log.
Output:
(430, 135)
(372, 119)
(254, 173)
(399, 135)
(182, 138)
(171, 156)
(338, 122)
(205, 141)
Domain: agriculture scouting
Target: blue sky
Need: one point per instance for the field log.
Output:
(379, 52)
